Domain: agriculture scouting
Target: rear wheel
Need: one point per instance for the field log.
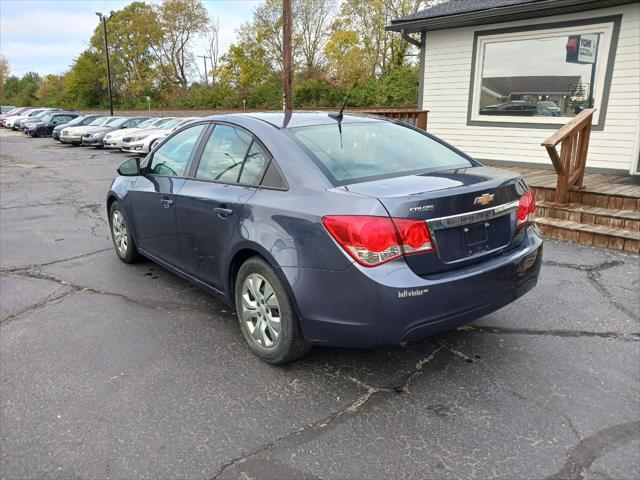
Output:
(267, 318)
(121, 235)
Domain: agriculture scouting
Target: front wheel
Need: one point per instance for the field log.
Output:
(121, 235)
(41, 132)
(266, 315)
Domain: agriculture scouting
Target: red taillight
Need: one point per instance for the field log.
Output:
(375, 240)
(526, 209)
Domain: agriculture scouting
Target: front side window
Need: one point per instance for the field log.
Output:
(224, 154)
(541, 75)
(365, 151)
(172, 157)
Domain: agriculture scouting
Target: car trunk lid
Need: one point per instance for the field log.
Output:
(471, 212)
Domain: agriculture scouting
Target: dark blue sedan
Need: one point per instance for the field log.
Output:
(348, 231)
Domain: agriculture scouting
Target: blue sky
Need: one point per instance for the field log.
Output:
(44, 36)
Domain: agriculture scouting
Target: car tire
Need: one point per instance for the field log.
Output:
(121, 237)
(154, 144)
(41, 132)
(261, 298)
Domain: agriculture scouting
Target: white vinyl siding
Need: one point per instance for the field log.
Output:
(447, 83)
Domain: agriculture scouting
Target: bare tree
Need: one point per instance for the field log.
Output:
(312, 25)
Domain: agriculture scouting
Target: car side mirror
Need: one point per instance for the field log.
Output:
(130, 167)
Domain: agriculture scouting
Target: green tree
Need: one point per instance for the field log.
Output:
(131, 32)
(180, 22)
(4, 73)
(85, 85)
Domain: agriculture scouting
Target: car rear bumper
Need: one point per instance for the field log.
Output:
(389, 304)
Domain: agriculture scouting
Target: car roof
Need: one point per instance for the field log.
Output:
(299, 119)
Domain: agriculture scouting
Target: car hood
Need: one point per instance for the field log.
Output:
(123, 132)
(81, 130)
(98, 129)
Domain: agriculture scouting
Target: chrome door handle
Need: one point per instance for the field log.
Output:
(166, 203)
(223, 212)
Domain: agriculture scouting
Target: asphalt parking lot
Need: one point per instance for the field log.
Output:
(117, 371)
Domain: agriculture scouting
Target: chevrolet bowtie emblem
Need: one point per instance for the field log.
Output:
(484, 199)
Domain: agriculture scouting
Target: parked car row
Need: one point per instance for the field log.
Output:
(137, 135)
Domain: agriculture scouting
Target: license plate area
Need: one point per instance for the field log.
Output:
(457, 243)
(477, 237)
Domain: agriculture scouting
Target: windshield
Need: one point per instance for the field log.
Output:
(366, 151)
(98, 121)
(117, 122)
(47, 118)
(184, 121)
(146, 123)
(76, 121)
(34, 113)
(170, 123)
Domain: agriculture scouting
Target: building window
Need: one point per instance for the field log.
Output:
(538, 75)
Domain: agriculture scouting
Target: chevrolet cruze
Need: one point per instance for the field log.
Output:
(328, 229)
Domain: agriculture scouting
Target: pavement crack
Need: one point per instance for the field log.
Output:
(626, 336)
(50, 299)
(589, 449)
(311, 431)
(584, 268)
(593, 275)
(24, 268)
(493, 378)
(74, 288)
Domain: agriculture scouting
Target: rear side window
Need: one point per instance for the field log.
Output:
(224, 154)
(253, 165)
(370, 150)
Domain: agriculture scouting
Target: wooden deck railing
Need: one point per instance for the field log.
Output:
(572, 159)
(414, 116)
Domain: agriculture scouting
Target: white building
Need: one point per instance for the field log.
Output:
(499, 76)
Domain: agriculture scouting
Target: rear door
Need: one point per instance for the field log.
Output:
(212, 204)
(154, 195)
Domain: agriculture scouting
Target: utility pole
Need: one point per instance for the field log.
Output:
(286, 55)
(104, 20)
(204, 57)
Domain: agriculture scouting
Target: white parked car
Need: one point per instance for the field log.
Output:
(114, 139)
(147, 140)
(73, 135)
(9, 122)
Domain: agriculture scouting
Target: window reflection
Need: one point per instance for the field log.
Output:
(540, 77)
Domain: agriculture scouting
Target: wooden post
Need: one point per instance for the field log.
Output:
(287, 73)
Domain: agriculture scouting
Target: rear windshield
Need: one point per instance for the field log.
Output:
(366, 151)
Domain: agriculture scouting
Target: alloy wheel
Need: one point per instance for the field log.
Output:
(260, 310)
(120, 232)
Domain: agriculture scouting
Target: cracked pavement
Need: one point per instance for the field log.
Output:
(116, 371)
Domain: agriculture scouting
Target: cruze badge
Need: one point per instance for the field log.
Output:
(484, 199)
(422, 208)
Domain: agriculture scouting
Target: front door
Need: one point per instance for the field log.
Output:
(212, 206)
(154, 196)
